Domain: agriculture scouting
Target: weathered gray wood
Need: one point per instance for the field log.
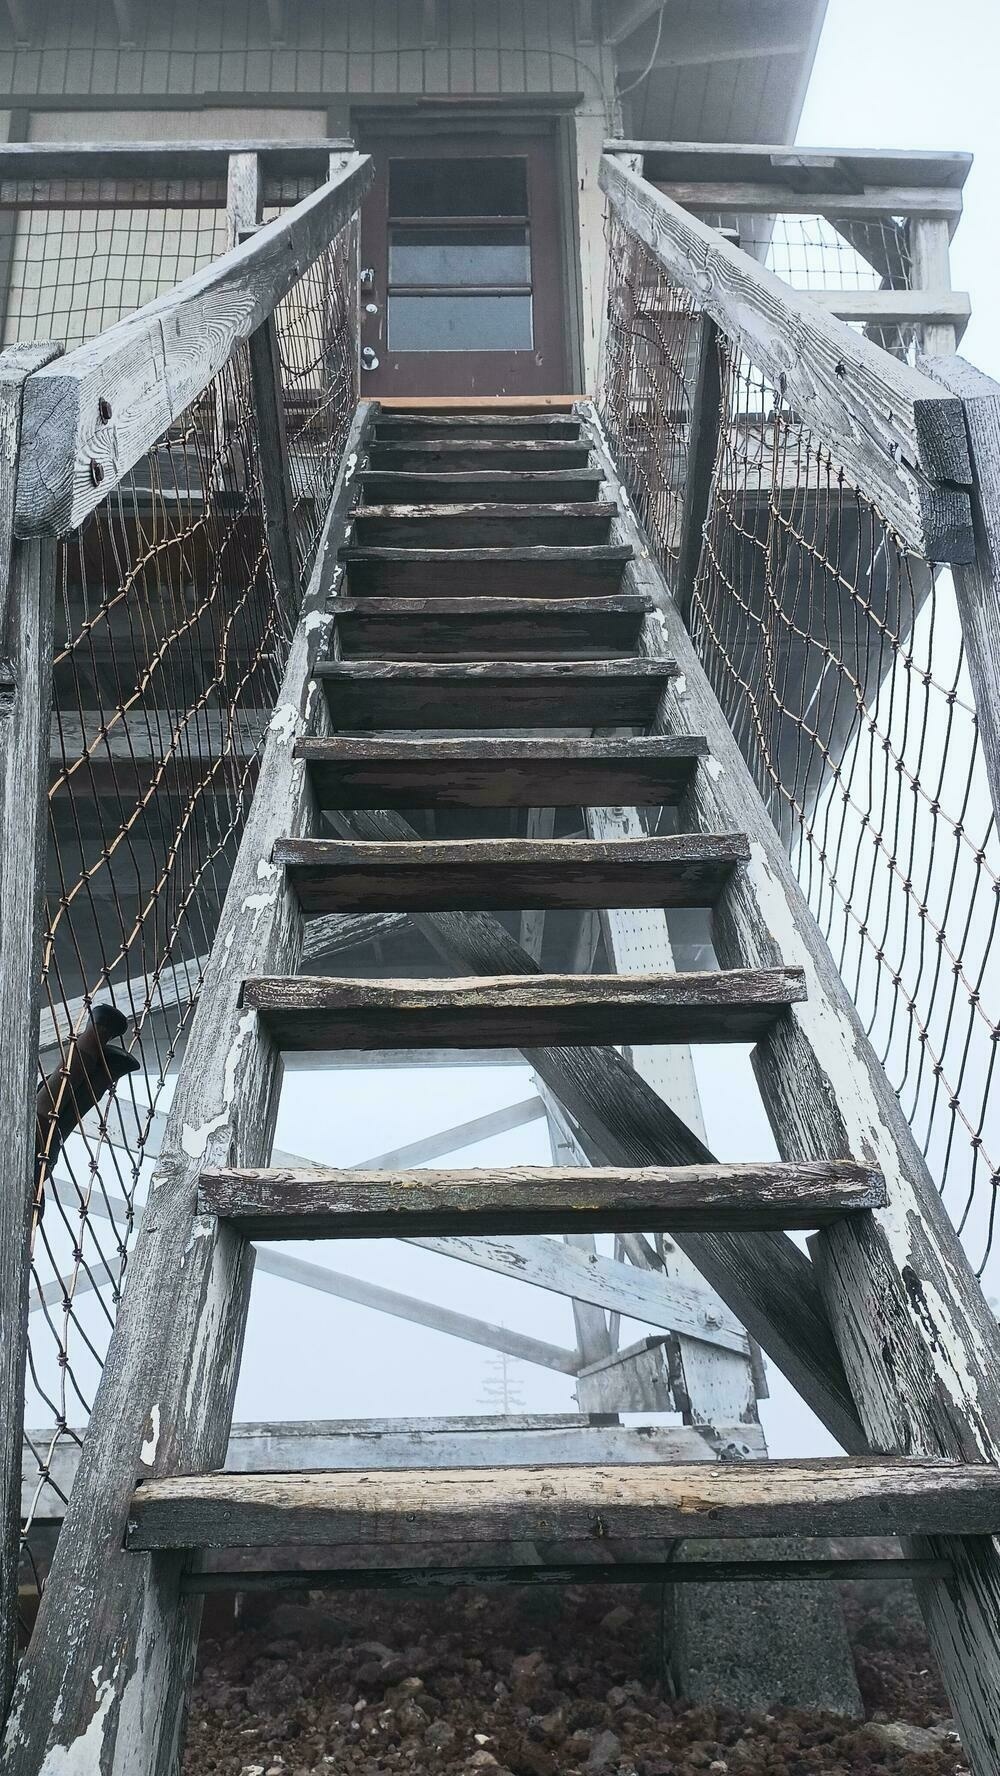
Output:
(531, 571)
(272, 466)
(881, 420)
(499, 773)
(977, 586)
(629, 1571)
(451, 486)
(22, 161)
(343, 875)
(921, 1348)
(27, 594)
(166, 1391)
(802, 170)
(312, 1012)
(485, 524)
(632, 1380)
(387, 694)
(336, 1204)
(148, 368)
(485, 426)
(244, 195)
(335, 933)
(487, 628)
(468, 454)
(930, 308)
(875, 203)
(930, 270)
(703, 446)
(839, 1497)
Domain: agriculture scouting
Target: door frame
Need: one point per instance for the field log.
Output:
(422, 120)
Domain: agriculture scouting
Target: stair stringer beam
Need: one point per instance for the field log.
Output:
(105, 1682)
(919, 1344)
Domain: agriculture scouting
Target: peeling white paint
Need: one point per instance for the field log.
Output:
(680, 685)
(83, 1756)
(713, 768)
(315, 620)
(150, 1443)
(195, 1140)
(283, 721)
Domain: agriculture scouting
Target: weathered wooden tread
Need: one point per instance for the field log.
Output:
(451, 486)
(523, 1011)
(561, 449)
(341, 875)
(502, 773)
(485, 524)
(489, 628)
(881, 1495)
(562, 570)
(537, 553)
(325, 1203)
(387, 694)
(389, 426)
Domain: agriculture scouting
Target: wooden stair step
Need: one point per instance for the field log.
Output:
(531, 571)
(489, 628)
(502, 773)
(523, 1011)
(392, 427)
(489, 525)
(326, 1203)
(372, 694)
(451, 487)
(839, 1496)
(347, 875)
(468, 453)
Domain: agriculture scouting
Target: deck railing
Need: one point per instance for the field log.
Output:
(827, 523)
(162, 493)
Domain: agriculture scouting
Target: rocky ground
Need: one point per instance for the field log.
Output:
(536, 1683)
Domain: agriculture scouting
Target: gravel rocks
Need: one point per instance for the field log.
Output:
(535, 1683)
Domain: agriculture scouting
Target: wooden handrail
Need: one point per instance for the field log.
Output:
(161, 160)
(891, 429)
(86, 426)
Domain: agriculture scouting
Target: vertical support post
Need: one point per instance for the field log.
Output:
(593, 1340)
(26, 614)
(244, 194)
(703, 447)
(275, 469)
(930, 261)
(352, 276)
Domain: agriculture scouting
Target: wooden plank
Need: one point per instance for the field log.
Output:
(452, 486)
(345, 875)
(532, 571)
(22, 161)
(324, 1203)
(376, 694)
(877, 1496)
(464, 454)
(28, 590)
(920, 1344)
(147, 369)
(930, 270)
(703, 447)
(630, 1571)
(165, 1396)
(802, 169)
(431, 404)
(485, 426)
(872, 204)
(312, 1012)
(273, 467)
(927, 308)
(500, 773)
(977, 586)
(632, 1380)
(881, 420)
(244, 195)
(487, 628)
(487, 525)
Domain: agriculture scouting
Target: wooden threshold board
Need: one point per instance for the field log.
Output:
(322, 1203)
(378, 694)
(881, 1495)
(489, 629)
(523, 1011)
(349, 875)
(652, 771)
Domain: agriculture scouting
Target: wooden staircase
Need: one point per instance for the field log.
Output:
(485, 591)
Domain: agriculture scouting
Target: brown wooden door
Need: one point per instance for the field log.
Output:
(463, 238)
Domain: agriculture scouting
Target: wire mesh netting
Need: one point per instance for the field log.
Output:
(317, 326)
(837, 656)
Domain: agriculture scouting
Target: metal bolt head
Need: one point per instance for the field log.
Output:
(103, 410)
(96, 474)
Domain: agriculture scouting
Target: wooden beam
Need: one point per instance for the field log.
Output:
(319, 1202)
(802, 169)
(273, 468)
(147, 369)
(874, 204)
(165, 1396)
(244, 196)
(629, 1571)
(817, 1498)
(926, 308)
(27, 602)
(703, 447)
(930, 260)
(882, 421)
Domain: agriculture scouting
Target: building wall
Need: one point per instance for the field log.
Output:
(208, 69)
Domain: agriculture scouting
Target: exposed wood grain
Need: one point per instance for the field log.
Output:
(312, 1012)
(333, 875)
(875, 203)
(881, 420)
(838, 1497)
(532, 571)
(499, 773)
(372, 694)
(148, 368)
(27, 597)
(631, 1380)
(166, 1391)
(488, 628)
(451, 486)
(489, 525)
(325, 1204)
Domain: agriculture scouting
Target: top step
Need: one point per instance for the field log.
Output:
(485, 427)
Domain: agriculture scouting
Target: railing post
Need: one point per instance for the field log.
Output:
(275, 472)
(977, 583)
(930, 269)
(26, 615)
(703, 448)
(244, 196)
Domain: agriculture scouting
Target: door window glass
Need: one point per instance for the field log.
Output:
(459, 255)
